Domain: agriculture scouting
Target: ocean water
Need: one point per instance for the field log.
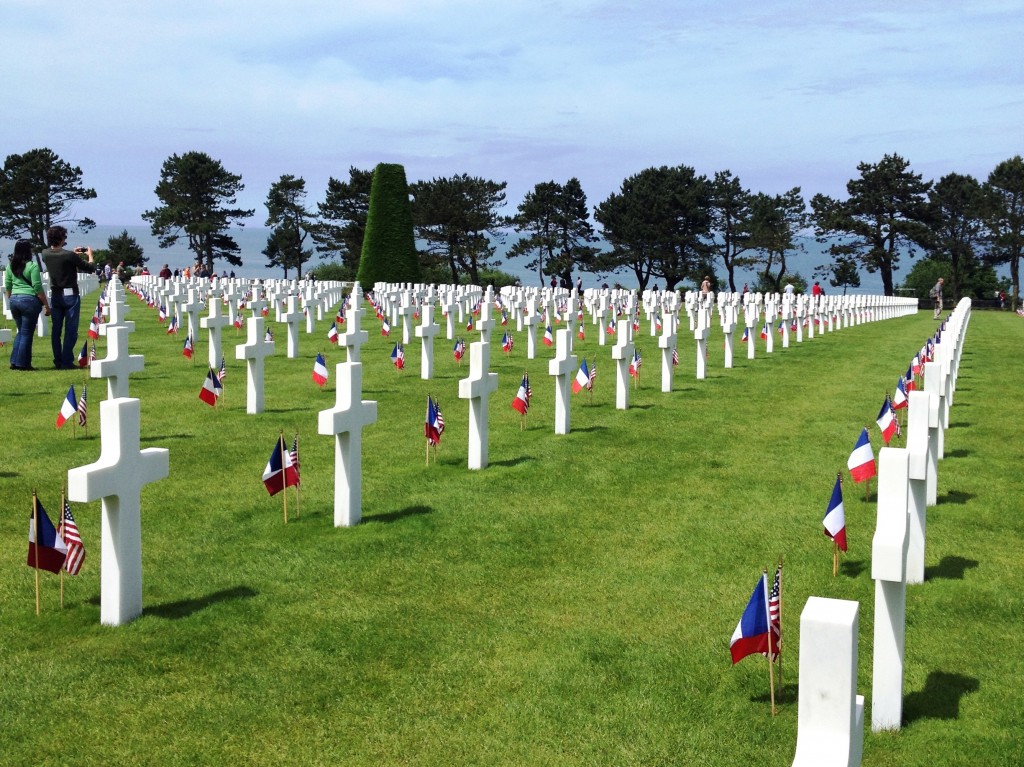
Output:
(252, 240)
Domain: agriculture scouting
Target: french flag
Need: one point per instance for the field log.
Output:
(751, 634)
(320, 370)
(68, 407)
(582, 380)
(280, 472)
(46, 549)
(332, 333)
(886, 421)
(861, 462)
(521, 402)
(208, 393)
(899, 398)
(548, 337)
(835, 517)
(746, 335)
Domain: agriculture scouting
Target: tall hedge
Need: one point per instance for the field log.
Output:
(389, 246)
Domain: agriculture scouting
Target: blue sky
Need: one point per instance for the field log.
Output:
(782, 94)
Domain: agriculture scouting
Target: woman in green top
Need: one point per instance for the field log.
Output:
(26, 298)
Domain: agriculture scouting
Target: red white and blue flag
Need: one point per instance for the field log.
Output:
(861, 462)
(746, 335)
(582, 380)
(549, 337)
(320, 374)
(908, 379)
(385, 327)
(295, 459)
(835, 516)
(522, 399)
(209, 393)
(886, 421)
(432, 426)
(173, 327)
(83, 408)
(752, 632)
(460, 349)
(280, 472)
(398, 356)
(46, 549)
(634, 365)
(68, 407)
(764, 332)
(186, 350)
(73, 540)
(94, 326)
(223, 372)
(162, 314)
(507, 342)
(83, 356)
(899, 398)
(332, 333)
(610, 330)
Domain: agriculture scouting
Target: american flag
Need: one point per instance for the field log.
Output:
(675, 355)
(92, 353)
(775, 613)
(83, 409)
(295, 454)
(439, 420)
(223, 372)
(76, 551)
(593, 374)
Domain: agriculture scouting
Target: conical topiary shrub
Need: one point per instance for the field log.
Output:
(389, 246)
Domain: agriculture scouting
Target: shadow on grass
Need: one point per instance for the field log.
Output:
(8, 474)
(395, 516)
(852, 568)
(590, 429)
(162, 437)
(955, 496)
(950, 568)
(940, 698)
(513, 461)
(186, 607)
(960, 424)
(788, 694)
(960, 453)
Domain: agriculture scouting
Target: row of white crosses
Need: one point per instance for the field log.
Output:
(831, 715)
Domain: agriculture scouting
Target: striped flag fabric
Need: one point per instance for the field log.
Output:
(886, 421)
(460, 349)
(861, 462)
(398, 356)
(593, 374)
(76, 550)
(582, 380)
(549, 337)
(46, 549)
(83, 408)
(522, 398)
(431, 429)
(161, 315)
(68, 407)
(320, 374)
(186, 350)
(83, 356)
(173, 327)
(295, 459)
(279, 472)
(635, 363)
(332, 333)
(675, 356)
(751, 634)
(223, 372)
(208, 393)
(94, 325)
(385, 327)
(899, 398)
(835, 516)
(268, 337)
(507, 342)
(775, 612)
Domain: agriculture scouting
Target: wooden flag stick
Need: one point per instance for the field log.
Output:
(835, 558)
(59, 532)
(284, 495)
(35, 534)
(780, 624)
(771, 666)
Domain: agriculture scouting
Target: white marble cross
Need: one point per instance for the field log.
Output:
(830, 713)
(191, 309)
(486, 322)
(922, 445)
(254, 352)
(563, 368)
(751, 311)
(117, 479)
(622, 353)
(353, 337)
(889, 571)
(426, 331)
(531, 320)
(771, 316)
(701, 333)
(117, 308)
(345, 421)
(291, 317)
(118, 364)
(477, 389)
(667, 342)
(405, 314)
(214, 324)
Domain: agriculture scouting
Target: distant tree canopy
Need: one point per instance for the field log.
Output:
(458, 220)
(773, 229)
(659, 225)
(196, 191)
(39, 190)
(389, 247)
(341, 222)
(885, 215)
(731, 221)
(559, 234)
(1004, 218)
(289, 223)
(121, 247)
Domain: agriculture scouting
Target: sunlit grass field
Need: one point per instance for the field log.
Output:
(571, 604)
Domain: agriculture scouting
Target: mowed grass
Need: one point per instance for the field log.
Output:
(569, 605)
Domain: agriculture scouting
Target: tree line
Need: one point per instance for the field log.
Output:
(665, 224)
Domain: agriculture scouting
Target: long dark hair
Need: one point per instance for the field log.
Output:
(22, 255)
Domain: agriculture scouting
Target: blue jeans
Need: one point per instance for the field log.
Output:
(64, 311)
(25, 310)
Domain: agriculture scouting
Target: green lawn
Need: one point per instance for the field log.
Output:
(570, 605)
